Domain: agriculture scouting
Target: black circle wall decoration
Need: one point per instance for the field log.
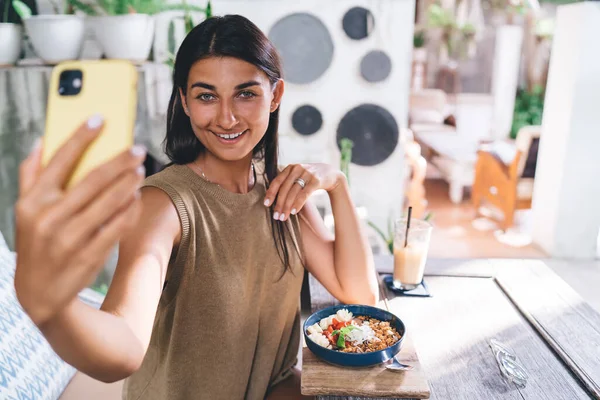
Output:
(374, 132)
(307, 120)
(305, 45)
(375, 66)
(358, 23)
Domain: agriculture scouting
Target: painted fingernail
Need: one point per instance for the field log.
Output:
(141, 171)
(138, 150)
(267, 202)
(282, 217)
(293, 212)
(275, 215)
(95, 121)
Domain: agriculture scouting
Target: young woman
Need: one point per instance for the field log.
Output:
(204, 302)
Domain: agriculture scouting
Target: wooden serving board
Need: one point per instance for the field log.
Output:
(322, 378)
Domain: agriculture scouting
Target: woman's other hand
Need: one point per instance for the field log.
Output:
(63, 237)
(293, 186)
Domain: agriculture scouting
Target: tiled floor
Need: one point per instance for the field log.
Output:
(455, 236)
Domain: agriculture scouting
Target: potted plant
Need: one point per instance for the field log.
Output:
(55, 37)
(11, 32)
(173, 39)
(419, 50)
(125, 28)
(458, 41)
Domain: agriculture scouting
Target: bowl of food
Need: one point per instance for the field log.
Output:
(354, 335)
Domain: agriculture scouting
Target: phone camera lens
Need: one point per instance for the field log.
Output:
(70, 82)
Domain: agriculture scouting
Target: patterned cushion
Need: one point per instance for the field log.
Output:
(29, 368)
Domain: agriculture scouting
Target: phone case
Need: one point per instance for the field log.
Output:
(109, 88)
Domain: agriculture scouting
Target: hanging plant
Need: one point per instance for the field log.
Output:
(458, 41)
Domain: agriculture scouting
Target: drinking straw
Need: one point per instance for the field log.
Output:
(407, 226)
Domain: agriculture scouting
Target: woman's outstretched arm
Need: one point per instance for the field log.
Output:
(109, 344)
(62, 240)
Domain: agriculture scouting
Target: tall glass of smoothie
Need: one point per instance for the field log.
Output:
(410, 255)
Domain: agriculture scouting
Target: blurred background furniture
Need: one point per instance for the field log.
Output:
(428, 109)
(450, 132)
(454, 157)
(504, 174)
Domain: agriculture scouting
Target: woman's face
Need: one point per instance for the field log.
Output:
(229, 102)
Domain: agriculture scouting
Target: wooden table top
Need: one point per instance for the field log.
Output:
(554, 334)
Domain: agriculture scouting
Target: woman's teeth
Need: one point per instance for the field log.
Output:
(230, 136)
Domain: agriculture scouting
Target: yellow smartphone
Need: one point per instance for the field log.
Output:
(78, 90)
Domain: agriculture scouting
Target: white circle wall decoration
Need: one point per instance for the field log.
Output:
(375, 66)
(374, 132)
(358, 23)
(328, 41)
(305, 46)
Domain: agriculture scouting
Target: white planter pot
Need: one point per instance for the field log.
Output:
(127, 37)
(10, 43)
(420, 55)
(56, 38)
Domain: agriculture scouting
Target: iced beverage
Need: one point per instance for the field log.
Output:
(410, 256)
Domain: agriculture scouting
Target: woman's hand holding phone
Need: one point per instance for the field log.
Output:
(63, 237)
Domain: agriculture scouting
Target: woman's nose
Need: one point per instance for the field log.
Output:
(226, 118)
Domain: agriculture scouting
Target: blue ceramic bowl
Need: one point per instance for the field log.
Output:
(355, 359)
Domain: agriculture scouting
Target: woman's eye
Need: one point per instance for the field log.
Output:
(206, 97)
(246, 94)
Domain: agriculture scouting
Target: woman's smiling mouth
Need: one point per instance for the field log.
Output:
(230, 138)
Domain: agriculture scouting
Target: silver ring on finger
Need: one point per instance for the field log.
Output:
(300, 182)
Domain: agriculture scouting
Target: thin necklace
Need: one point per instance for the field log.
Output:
(208, 180)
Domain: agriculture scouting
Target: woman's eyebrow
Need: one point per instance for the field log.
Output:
(204, 85)
(238, 87)
(246, 85)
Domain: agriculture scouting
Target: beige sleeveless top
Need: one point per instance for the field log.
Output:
(228, 322)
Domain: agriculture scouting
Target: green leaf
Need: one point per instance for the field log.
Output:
(208, 11)
(347, 329)
(379, 231)
(22, 9)
(86, 8)
(341, 342)
(180, 7)
(171, 37)
(189, 23)
(419, 39)
(346, 146)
